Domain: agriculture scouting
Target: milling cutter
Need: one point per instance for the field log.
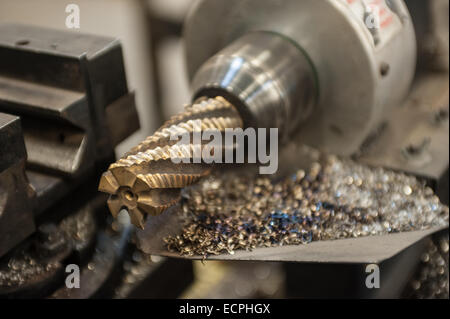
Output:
(325, 73)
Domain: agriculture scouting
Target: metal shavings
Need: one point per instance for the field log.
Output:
(333, 200)
(80, 228)
(30, 263)
(22, 268)
(431, 282)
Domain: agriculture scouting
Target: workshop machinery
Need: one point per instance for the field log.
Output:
(334, 75)
(280, 65)
(64, 106)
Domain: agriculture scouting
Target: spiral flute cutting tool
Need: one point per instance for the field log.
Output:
(147, 180)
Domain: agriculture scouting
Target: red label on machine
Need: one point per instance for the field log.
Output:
(381, 22)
